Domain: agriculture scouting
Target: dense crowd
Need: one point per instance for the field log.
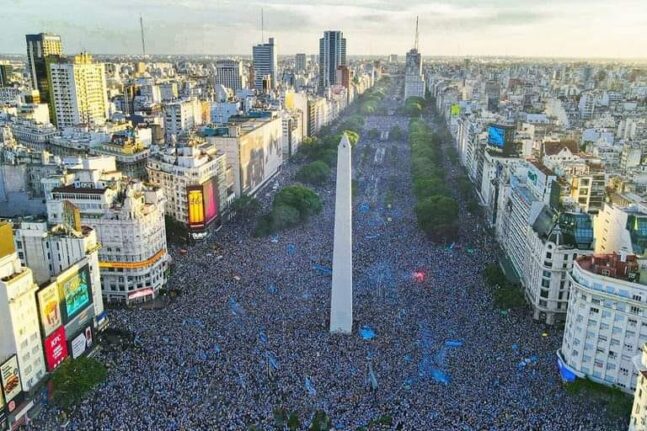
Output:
(249, 332)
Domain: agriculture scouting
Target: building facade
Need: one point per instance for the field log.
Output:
(39, 47)
(265, 64)
(230, 74)
(606, 323)
(78, 93)
(332, 54)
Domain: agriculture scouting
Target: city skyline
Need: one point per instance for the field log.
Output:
(573, 29)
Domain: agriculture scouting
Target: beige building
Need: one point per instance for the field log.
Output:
(78, 91)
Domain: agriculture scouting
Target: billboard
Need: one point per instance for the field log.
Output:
(74, 293)
(195, 200)
(455, 110)
(210, 195)
(82, 342)
(55, 348)
(500, 136)
(11, 384)
(49, 309)
(203, 203)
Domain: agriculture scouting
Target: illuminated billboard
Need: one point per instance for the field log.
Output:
(49, 309)
(3, 415)
(74, 293)
(210, 194)
(195, 200)
(81, 343)
(455, 110)
(202, 203)
(11, 384)
(500, 137)
(55, 348)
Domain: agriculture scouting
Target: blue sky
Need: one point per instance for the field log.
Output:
(577, 28)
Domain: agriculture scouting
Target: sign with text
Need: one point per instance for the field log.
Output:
(49, 309)
(11, 384)
(55, 348)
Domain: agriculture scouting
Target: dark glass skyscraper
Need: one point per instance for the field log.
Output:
(332, 54)
(39, 47)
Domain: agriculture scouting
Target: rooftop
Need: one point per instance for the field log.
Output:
(619, 266)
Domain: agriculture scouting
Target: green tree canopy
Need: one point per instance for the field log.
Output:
(438, 217)
(74, 378)
(246, 207)
(314, 173)
(301, 198)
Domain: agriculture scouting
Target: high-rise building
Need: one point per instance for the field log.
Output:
(332, 54)
(5, 75)
(20, 336)
(78, 92)
(230, 74)
(265, 64)
(39, 47)
(414, 80)
(300, 62)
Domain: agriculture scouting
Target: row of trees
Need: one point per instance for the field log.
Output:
(414, 106)
(436, 209)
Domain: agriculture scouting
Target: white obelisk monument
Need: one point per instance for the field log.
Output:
(341, 299)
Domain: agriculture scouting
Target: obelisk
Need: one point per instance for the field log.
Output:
(341, 298)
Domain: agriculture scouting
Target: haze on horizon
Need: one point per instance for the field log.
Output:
(529, 28)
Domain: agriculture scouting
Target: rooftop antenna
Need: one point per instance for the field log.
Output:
(141, 26)
(416, 44)
(262, 26)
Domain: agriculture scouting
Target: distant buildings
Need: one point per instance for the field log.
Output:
(39, 47)
(638, 421)
(230, 73)
(265, 66)
(414, 80)
(78, 93)
(332, 54)
(300, 63)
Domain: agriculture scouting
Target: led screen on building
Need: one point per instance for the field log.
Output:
(210, 195)
(11, 384)
(195, 198)
(49, 309)
(55, 348)
(81, 343)
(203, 204)
(74, 293)
(500, 137)
(455, 110)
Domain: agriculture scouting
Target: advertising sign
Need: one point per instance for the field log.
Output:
(49, 309)
(195, 200)
(55, 348)
(11, 385)
(3, 415)
(500, 137)
(81, 343)
(455, 110)
(74, 293)
(210, 196)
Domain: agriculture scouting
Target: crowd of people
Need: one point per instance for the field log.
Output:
(249, 332)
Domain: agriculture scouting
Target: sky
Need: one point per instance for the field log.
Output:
(538, 28)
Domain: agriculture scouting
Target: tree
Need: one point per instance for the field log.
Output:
(302, 198)
(438, 217)
(293, 422)
(284, 216)
(373, 133)
(320, 421)
(413, 106)
(314, 173)
(425, 187)
(74, 378)
(246, 207)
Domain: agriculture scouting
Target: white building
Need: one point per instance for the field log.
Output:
(414, 80)
(196, 180)
(621, 228)
(606, 323)
(20, 334)
(129, 220)
(78, 92)
(48, 252)
(638, 421)
(181, 117)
